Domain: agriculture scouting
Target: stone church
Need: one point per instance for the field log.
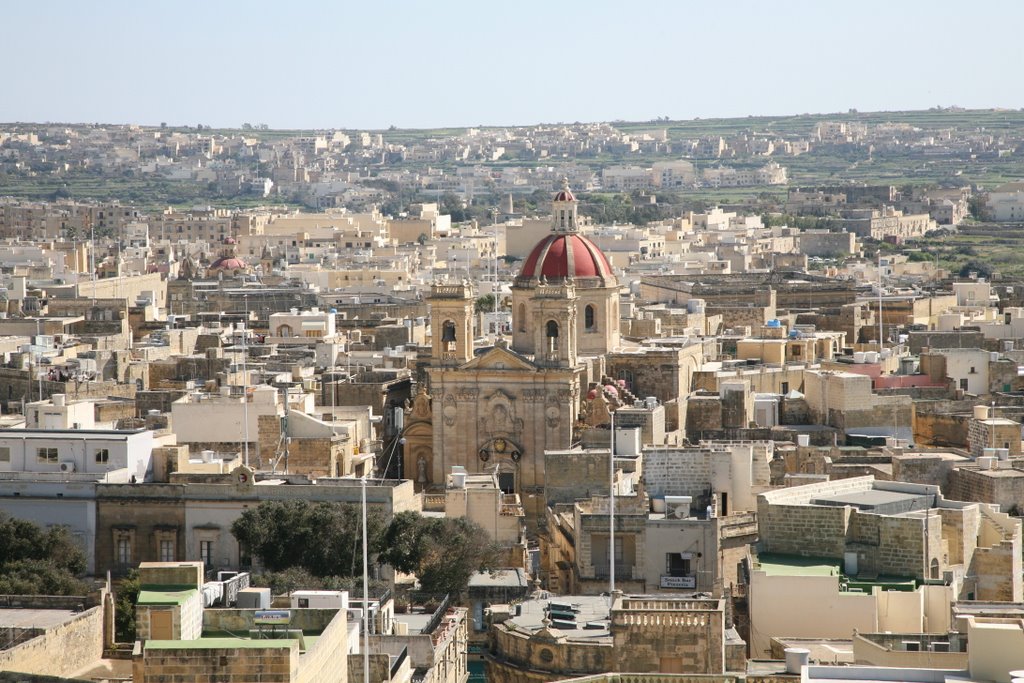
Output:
(497, 409)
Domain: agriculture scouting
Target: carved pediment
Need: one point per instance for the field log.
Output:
(500, 359)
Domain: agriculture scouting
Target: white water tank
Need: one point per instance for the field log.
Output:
(858, 357)
(459, 477)
(981, 412)
(986, 462)
(803, 440)
(796, 659)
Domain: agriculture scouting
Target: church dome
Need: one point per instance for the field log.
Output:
(565, 195)
(228, 263)
(563, 255)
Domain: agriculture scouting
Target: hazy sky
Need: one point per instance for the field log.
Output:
(344, 64)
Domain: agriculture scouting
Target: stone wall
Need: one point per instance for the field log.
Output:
(921, 468)
(156, 400)
(273, 662)
(60, 650)
(703, 413)
(806, 530)
(316, 457)
(517, 658)
(997, 565)
(945, 340)
(668, 636)
(1005, 487)
(380, 668)
(572, 476)
(940, 429)
(679, 471)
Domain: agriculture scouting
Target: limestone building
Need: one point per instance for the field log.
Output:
(498, 409)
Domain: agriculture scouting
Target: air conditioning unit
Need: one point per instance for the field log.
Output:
(67, 466)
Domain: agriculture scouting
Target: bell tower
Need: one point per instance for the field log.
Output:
(451, 323)
(554, 324)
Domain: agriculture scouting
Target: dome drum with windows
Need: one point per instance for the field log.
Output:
(565, 300)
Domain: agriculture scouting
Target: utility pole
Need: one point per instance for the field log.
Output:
(366, 592)
(611, 512)
(245, 384)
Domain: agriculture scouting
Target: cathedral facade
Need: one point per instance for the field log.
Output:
(497, 409)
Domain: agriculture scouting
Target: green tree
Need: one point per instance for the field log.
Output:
(485, 304)
(320, 544)
(125, 598)
(443, 553)
(325, 539)
(38, 561)
(450, 204)
(298, 578)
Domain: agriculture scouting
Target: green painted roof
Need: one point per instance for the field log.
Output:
(793, 565)
(165, 596)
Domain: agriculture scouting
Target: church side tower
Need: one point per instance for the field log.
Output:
(451, 324)
(554, 324)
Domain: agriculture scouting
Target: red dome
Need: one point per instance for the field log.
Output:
(228, 263)
(562, 255)
(565, 195)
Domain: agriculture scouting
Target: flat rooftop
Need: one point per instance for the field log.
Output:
(504, 578)
(588, 609)
(35, 618)
(878, 500)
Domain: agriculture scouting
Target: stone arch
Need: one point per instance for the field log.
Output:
(449, 337)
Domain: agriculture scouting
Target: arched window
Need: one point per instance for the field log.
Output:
(284, 331)
(589, 320)
(448, 335)
(935, 568)
(552, 329)
(522, 317)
